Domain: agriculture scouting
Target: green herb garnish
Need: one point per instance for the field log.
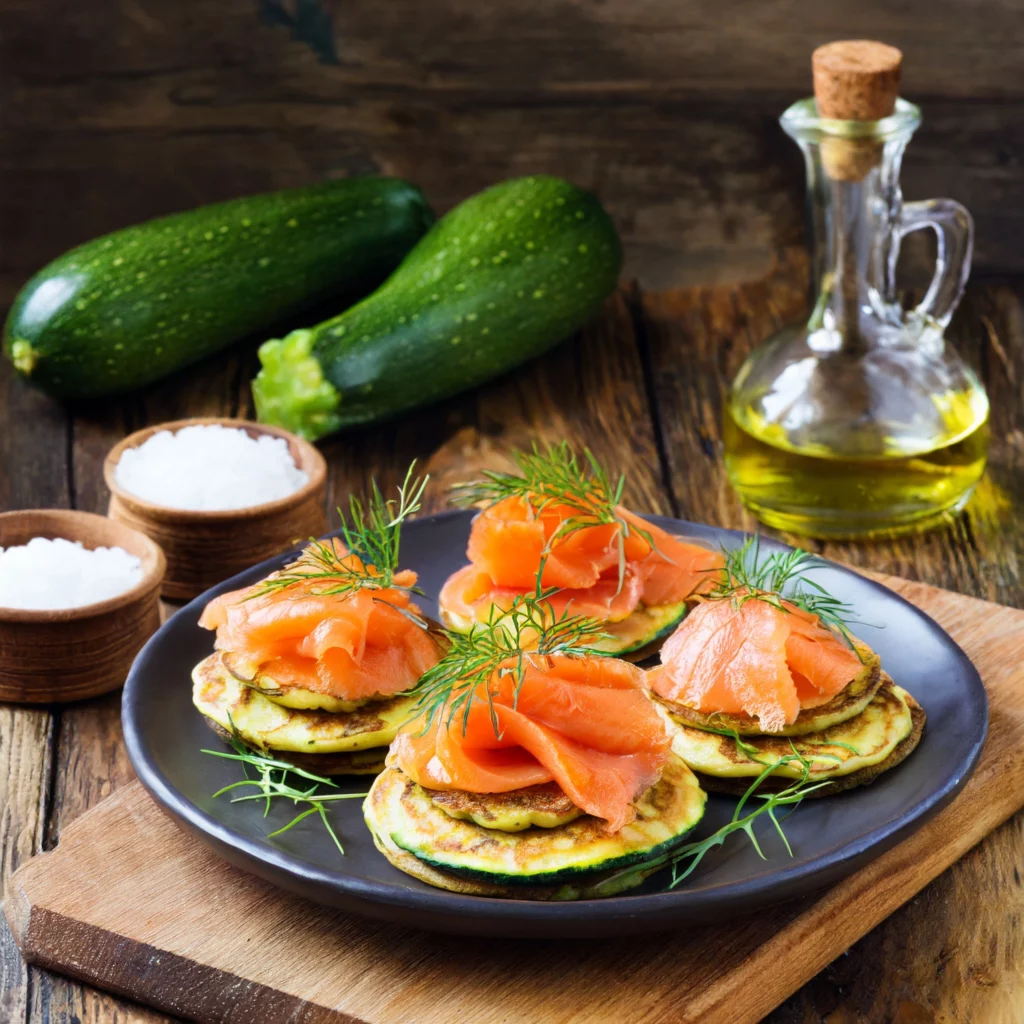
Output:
(790, 797)
(685, 859)
(373, 533)
(555, 476)
(502, 647)
(780, 580)
(272, 783)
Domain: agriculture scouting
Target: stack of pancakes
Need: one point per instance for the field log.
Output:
(867, 728)
(348, 738)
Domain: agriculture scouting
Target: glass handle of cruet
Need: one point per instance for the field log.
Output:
(954, 231)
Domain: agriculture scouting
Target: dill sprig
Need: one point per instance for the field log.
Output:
(778, 580)
(555, 476)
(684, 860)
(272, 783)
(791, 796)
(500, 648)
(373, 533)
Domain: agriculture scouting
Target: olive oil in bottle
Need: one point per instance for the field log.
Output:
(830, 494)
(864, 421)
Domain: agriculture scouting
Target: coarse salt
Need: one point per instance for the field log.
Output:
(58, 573)
(209, 468)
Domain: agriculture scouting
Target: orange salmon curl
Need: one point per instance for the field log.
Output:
(752, 657)
(352, 645)
(604, 571)
(585, 723)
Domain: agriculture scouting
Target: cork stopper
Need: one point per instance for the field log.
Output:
(855, 80)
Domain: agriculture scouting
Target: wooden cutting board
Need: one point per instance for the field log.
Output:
(129, 903)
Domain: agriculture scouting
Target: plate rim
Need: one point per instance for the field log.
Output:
(260, 856)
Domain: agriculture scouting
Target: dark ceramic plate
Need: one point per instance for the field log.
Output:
(830, 837)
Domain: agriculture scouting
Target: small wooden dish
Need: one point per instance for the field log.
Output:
(72, 653)
(204, 548)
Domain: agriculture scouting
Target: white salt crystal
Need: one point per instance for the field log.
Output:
(63, 574)
(209, 468)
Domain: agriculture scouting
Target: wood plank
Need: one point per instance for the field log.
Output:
(966, 921)
(33, 473)
(720, 170)
(25, 753)
(698, 338)
(90, 757)
(701, 191)
(134, 868)
(91, 761)
(658, 46)
(621, 46)
(33, 446)
(668, 111)
(982, 553)
(569, 394)
(952, 954)
(90, 764)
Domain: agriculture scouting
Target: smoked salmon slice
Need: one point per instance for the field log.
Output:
(354, 644)
(604, 571)
(585, 723)
(750, 656)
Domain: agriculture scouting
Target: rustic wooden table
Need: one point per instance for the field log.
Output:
(642, 387)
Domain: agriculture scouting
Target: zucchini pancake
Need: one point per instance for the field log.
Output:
(315, 662)
(754, 680)
(559, 527)
(531, 774)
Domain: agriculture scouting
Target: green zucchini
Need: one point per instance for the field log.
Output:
(499, 279)
(131, 307)
(635, 637)
(642, 632)
(403, 817)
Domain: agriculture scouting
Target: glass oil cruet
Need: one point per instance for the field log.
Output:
(864, 421)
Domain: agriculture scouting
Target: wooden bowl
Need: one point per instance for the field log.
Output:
(71, 653)
(204, 548)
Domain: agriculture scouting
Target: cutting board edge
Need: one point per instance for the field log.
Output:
(177, 973)
(43, 935)
(38, 929)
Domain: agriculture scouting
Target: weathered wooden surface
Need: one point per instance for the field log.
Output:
(144, 893)
(956, 952)
(118, 111)
(642, 386)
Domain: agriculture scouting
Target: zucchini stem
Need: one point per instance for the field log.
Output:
(291, 391)
(24, 356)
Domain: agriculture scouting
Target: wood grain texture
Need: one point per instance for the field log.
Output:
(667, 109)
(33, 433)
(695, 340)
(90, 764)
(945, 947)
(90, 761)
(25, 754)
(132, 867)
